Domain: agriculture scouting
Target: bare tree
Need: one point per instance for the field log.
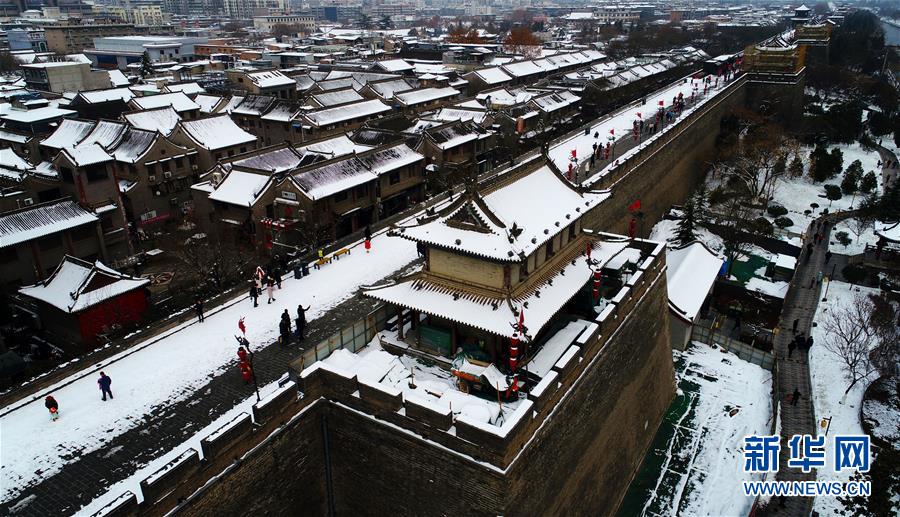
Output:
(851, 336)
(886, 322)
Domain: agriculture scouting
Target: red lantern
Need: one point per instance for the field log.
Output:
(574, 154)
(513, 352)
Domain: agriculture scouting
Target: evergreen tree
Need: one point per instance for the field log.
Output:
(837, 162)
(852, 176)
(701, 204)
(819, 166)
(686, 225)
(868, 183)
(146, 65)
(796, 167)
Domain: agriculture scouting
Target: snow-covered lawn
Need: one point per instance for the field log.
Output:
(728, 399)
(828, 384)
(857, 242)
(171, 369)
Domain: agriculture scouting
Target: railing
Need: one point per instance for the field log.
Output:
(352, 337)
(739, 348)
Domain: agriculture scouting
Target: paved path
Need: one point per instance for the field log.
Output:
(793, 371)
(88, 476)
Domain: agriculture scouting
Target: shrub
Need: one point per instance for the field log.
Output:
(762, 226)
(776, 210)
(854, 273)
(833, 192)
(843, 238)
(783, 222)
(868, 183)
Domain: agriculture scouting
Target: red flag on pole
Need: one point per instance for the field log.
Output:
(242, 327)
(661, 103)
(574, 153)
(634, 207)
(639, 114)
(612, 132)
(522, 319)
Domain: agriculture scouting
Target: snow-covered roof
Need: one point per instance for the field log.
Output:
(273, 160)
(162, 119)
(69, 133)
(337, 97)
(186, 88)
(177, 100)
(423, 95)
(105, 133)
(117, 78)
(281, 111)
(240, 188)
(394, 65)
(109, 95)
(216, 132)
(254, 105)
(387, 89)
(77, 285)
(690, 274)
(270, 79)
(464, 115)
(334, 147)
(329, 179)
(492, 75)
(384, 161)
(133, 144)
(10, 160)
(522, 69)
(40, 221)
(87, 154)
(207, 103)
(482, 225)
(9, 136)
(888, 231)
(347, 112)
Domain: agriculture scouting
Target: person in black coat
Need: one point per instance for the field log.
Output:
(276, 275)
(254, 294)
(285, 328)
(105, 382)
(198, 308)
(301, 321)
(809, 343)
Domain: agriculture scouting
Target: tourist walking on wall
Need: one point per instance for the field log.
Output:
(795, 397)
(270, 289)
(368, 243)
(198, 308)
(301, 321)
(52, 406)
(105, 384)
(254, 294)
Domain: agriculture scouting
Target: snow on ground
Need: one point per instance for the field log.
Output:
(828, 385)
(667, 230)
(797, 194)
(171, 369)
(729, 399)
(133, 482)
(857, 242)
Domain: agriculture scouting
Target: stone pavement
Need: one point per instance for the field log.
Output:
(89, 475)
(793, 372)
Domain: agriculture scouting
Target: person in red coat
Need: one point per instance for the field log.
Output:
(246, 372)
(242, 354)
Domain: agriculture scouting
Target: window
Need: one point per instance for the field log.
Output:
(179, 163)
(132, 169)
(151, 168)
(8, 255)
(83, 232)
(394, 178)
(166, 165)
(549, 249)
(361, 191)
(66, 174)
(572, 232)
(231, 152)
(340, 196)
(243, 149)
(523, 270)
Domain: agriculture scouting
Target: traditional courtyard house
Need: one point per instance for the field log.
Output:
(491, 255)
(425, 98)
(162, 120)
(337, 84)
(35, 238)
(247, 114)
(186, 108)
(23, 185)
(523, 72)
(191, 89)
(86, 174)
(109, 103)
(691, 273)
(24, 144)
(80, 301)
(68, 134)
(342, 118)
(154, 177)
(213, 138)
(277, 123)
(229, 203)
(558, 107)
(394, 66)
(456, 150)
(478, 117)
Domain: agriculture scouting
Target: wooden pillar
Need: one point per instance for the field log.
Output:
(400, 323)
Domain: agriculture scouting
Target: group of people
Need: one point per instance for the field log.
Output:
(284, 326)
(261, 280)
(889, 164)
(104, 383)
(800, 342)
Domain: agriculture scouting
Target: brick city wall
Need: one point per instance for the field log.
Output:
(666, 171)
